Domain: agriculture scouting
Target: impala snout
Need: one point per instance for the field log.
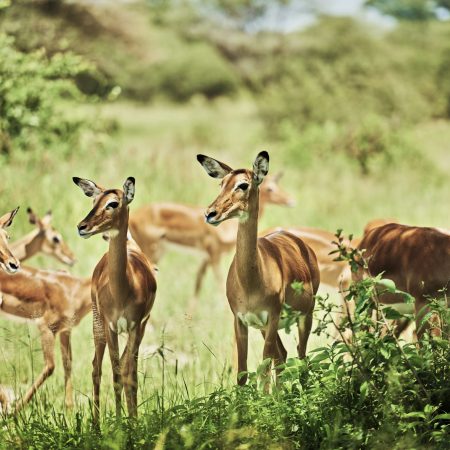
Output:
(210, 215)
(83, 230)
(11, 265)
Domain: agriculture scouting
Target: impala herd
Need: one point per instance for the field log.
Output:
(261, 279)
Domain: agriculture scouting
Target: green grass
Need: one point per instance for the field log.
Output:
(158, 145)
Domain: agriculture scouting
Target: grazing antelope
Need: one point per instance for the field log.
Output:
(45, 239)
(417, 259)
(56, 301)
(8, 262)
(160, 225)
(263, 269)
(123, 290)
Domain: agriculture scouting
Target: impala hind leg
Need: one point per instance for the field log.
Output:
(129, 368)
(48, 348)
(112, 340)
(433, 324)
(241, 333)
(304, 329)
(282, 353)
(66, 354)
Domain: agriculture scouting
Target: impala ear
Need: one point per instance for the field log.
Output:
(214, 168)
(32, 217)
(7, 219)
(128, 189)
(89, 188)
(277, 177)
(260, 167)
(46, 220)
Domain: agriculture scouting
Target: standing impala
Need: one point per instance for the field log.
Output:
(123, 290)
(44, 238)
(417, 259)
(263, 269)
(159, 225)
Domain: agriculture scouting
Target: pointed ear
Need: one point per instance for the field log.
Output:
(47, 219)
(277, 177)
(214, 168)
(89, 188)
(260, 167)
(7, 219)
(128, 189)
(32, 217)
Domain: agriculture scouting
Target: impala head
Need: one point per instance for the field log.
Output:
(110, 207)
(271, 192)
(53, 243)
(236, 187)
(7, 261)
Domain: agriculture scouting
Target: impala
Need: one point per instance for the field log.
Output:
(261, 276)
(8, 262)
(417, 259)
(123, 290)
(56, 301)
(45, 239)
(160, 225)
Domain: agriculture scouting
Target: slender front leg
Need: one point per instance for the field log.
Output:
(99, 343)
(271, 349)
(200, 276)
(241, 333)
(66, 354)
(304, 329)
(112, 340)
(48, 348)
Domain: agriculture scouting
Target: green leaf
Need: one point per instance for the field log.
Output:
(388, 284)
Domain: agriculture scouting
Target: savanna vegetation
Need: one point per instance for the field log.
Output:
(357, 117)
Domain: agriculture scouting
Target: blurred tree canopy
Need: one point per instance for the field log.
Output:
(410, 9)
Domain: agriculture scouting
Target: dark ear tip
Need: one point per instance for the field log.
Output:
(132, 179)
(76, 180)
(200, 158)
(29, 210)
(264, 154)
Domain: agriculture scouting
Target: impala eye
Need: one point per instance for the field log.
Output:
(112, 205)
(243, 186)
(56, 240)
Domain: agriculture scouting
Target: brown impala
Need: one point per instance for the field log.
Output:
(43, 239)
(417, 259)
(263, 269)
(123, 290)
(57, 302)
(162, 225)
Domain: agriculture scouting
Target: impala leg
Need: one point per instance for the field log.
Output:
(271, 348)
(112, 340)
(66, 354)
(282, 353)
(130, 369)
(48, 348)
(100, 344)
(200, 277)
(241, 333)
(400, 326)
(422, 308)
(304, 329)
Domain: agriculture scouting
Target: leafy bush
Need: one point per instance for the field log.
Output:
(30, 86)
(200, 70)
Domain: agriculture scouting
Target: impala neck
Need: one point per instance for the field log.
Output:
(262, 206)
(247, 258)
(117, 258)
(27, 246)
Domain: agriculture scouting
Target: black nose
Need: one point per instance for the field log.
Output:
(13, 266)
(82, 227)
(211, 215)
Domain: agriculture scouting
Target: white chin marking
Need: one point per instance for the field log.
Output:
(113, 233)
(243, 217)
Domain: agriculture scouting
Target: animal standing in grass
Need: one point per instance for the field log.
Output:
(417, 259)
(123, 290)
(261, 276)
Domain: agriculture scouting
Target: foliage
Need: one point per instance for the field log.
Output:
(410, 9)
(30, 85)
